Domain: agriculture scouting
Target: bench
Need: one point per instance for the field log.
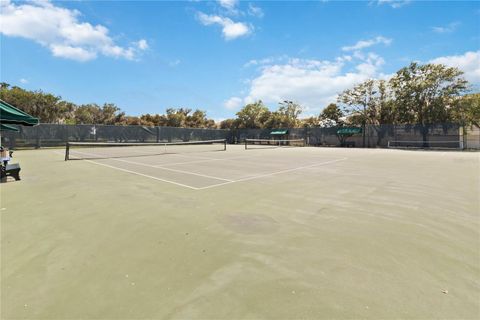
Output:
(11, 170)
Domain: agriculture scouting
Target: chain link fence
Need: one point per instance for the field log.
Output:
(446, 135)
(384, 136)
(472, 138)
(54, 135)
(373, 136)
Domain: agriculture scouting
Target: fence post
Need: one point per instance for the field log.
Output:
(66, 133)
(37, 143)
(461, 134)
(363, 135)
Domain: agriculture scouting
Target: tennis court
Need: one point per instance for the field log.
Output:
(200, 166)
(267, 232)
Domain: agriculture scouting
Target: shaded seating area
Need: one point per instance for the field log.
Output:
(345, 133)
(279, 134)
(10, 117)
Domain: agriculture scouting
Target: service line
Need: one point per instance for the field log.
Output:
(273, 173)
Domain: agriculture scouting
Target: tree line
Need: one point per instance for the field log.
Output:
(416, 94)
(50, 108)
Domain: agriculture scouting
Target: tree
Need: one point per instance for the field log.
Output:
(19, 97)
(66, 112)
(229, 124)
(135, 121)
(290, 111)
(370, 102)
(110, 114)
(381, 109)
(154, 120)
(285, 117)
(45, 106)
(177, 117)
(198, 119)
(253, 115)
(50, 108)
(424, 92)
(88, 114)
(358, 100)
(275, 120)
(466, 110)
(310, 122)
(331, 116)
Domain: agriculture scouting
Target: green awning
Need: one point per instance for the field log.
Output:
(278, 132)
(6, 127)
(349, 131)
(11, 115)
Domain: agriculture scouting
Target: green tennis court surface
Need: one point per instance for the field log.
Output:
(278, 233)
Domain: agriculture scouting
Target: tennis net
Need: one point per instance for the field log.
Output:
(270, 143)
(105, 150)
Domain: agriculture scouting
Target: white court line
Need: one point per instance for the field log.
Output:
(143, 175)
(173, 170)
(137, 173)
(273, 173)
(189, 156)
(200, 161)
(161, 168)
(219, 184)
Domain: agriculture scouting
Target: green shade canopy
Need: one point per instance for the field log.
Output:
(279, 132)
(6, 127)
(11, 115)
(348, 131)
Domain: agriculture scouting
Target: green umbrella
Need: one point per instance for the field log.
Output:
(6, 127)
(11, 115)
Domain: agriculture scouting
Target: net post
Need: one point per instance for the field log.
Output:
(245, 144)
(225, 145)
(67, 151)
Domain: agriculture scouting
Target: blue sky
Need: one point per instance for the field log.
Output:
(219, 55)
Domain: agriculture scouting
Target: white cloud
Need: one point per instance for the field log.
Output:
(312, 83)
(230, 29)
(142, 44)
(174, 63)
(395, 4)
(265, 61)
(316, 83)
(469, 62)
(228, 4)
(70, 52)
(230, 7)
(60, 30)
(362, 44)
(233, 103)
(451, 27)
(23, 80)
(255, 11)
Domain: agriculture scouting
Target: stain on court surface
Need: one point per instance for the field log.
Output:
(249, 223)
